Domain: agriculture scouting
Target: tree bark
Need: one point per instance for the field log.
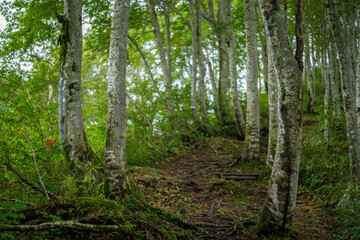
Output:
(273, 109)
(251, 149)
(194, 46)
(201, 59)
(77, 148)
(334, 80)
(265, 59)
(280, 203)
(164, 62)
(348, 92)
(214, 89)
(115, 162)
(326, 95)
(62, 110)
(223, 62)
(299, 34)
(310, 103)
(238, 114)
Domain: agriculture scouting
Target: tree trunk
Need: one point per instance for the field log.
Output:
(77, 148)
(280, 203)
(358, 87)
(168, 36)
(164, 62)
(194, 108)
(238, 115)
(273, 109)
(310, 103)
(223, 62)
(348, 92)
(334, 81)
(115, 162)
(201, 59)
(214, 89)
(62, 110)
(265, 59)
(326, 95)
(299, 34)
(251, 149)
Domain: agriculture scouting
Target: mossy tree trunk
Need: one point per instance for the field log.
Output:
(115, 163)
(280, 202)
(223, 62)
(348, 92)
(77, 148)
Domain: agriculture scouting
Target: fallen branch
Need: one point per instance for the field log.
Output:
(68, 225)
(17, 201)
(28, 182)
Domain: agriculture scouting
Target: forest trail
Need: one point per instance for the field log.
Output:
(188, 187)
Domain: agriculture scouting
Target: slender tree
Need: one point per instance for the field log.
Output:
(273, 109)
(334, 80)
(280, 202)
(223, 13)
(163, 60)
(310, 103)
(201, 62)
(251, 149)
(115, 163)
(194, 46)
(238, 114)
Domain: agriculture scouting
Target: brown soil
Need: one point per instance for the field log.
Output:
(188, 187)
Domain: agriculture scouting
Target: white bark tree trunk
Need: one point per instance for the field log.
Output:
(238, 114)
(348, 92)
(214, 89)
(326, 95)
(334, 80)
(194, 109)
(253, 112)
(281, 200)
(273, 109)
(77, 148)
(115, 162)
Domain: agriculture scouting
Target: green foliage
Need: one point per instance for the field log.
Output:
(348, 216)
(324, 167)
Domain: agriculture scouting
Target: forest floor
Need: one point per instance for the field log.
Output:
(189, 187)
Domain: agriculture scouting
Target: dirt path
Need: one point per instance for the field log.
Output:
(189, 187)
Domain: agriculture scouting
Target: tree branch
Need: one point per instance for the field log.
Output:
(68, 225)
(17, 201)
(28, 182)
(186, 22)
(145, 61)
